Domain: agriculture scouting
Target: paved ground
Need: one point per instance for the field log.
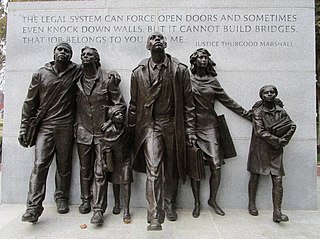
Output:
(236, 224)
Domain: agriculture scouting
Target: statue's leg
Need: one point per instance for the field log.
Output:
(195, 185)
(252, 191)
(214, 187)
(277, 195)
(126, 211)
(116, 193)
(44, 153)
(63, 138)
(171, 182)
(100, 189)
(154, 151)
(86, 157)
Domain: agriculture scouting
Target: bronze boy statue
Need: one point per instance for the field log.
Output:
(272, 130)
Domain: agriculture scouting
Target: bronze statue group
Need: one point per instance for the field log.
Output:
(170, 111)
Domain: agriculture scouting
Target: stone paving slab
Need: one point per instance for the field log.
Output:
(235, 224)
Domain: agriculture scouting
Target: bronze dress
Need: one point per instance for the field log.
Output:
(117, 141)
(206, 90)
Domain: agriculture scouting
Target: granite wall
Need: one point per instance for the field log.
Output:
(253, 43)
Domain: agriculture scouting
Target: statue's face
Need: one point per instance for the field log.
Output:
(62, 54)
(156, 42)
(269, 94)
(87, 57)
(202, 60)
(118, 117)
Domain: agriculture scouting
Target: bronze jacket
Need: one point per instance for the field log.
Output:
(265, 154)
(43, 83)
(92, 110)
(140, 114)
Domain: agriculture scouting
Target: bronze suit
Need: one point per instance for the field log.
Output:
(162, 113)
(55, 135)
(92, 108)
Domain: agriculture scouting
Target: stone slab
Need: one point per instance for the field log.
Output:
(253, 44)
(236, 224)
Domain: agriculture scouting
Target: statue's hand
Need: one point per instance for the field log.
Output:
(283, 142)
(104, 126)
(22, 139)
(248, 114)
(192, 139)
(115, 78)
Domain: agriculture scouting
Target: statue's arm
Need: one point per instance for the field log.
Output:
(261, 132)
(189, 108)
(30, 106)
(115, 93)
(132, 112)
(228, 102)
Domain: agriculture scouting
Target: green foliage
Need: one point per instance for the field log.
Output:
(3, 27)
(3, 34)
(3, 22)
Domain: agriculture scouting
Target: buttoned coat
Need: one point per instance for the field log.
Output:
(266, 154)
(140, 114)
(92, 109)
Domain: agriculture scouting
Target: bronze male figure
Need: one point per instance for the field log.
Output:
(161, 117)
(54, 137)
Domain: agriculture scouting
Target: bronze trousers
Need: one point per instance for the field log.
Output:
(51, 141)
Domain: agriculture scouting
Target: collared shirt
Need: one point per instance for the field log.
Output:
(159, 76)
(157, 70)
(88, 84)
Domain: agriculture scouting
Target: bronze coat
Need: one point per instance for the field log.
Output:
(140, 115)
(43, 83)
(92, 110)
(265, 154)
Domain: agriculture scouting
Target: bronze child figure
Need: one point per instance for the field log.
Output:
(272, 130)
(116, 157)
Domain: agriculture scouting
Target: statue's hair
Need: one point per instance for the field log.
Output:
(210, 67)
(263, 88)
(64, 44)
(95, 54)
(277, 101)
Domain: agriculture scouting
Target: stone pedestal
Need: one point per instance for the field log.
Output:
(253, 43)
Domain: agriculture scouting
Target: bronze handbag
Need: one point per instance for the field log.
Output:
(227, 147)
(195, 163)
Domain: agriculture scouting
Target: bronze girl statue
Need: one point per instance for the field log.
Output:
(272, 130)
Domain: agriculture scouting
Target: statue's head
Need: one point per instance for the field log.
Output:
(63, 47)
(90, 53)
(156, 42)
(116, 113)
(268, 93)
(201, 58)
